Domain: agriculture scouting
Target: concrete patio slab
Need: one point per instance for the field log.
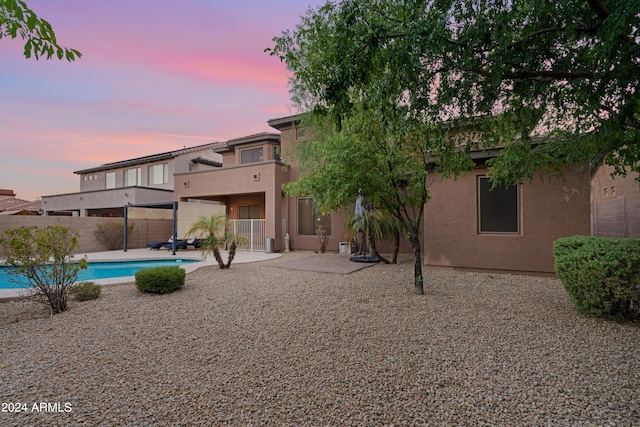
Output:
(322, 263)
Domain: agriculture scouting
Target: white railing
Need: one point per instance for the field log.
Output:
(252, 231)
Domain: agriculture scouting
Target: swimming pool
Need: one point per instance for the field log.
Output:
(102, 270)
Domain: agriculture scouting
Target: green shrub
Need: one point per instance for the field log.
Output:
(601, 275)
(160, 280)
(85, 291)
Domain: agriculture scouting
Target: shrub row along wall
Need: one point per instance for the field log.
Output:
(144, 230)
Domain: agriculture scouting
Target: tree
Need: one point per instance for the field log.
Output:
(44, 257)
(213, 231)
(16, 19)
(382, 155)
(426, 75)
(566, 70)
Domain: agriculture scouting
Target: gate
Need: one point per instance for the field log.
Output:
(252, 232)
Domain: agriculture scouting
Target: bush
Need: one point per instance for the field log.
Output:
(85, 291)
(111, 234)
(601, 275)
(160, 280)
(43, 256)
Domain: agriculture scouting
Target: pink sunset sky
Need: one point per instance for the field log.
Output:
(155, 76)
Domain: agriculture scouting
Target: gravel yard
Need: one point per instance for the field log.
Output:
(260, 345)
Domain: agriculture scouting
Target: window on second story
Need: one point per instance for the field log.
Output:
(159, 174)
(251, 155)
(110, 180)
(133, 177)
(276, 153)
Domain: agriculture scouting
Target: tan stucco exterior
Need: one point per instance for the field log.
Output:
(549, 209)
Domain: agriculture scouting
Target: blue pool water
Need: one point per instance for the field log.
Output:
(101, 270)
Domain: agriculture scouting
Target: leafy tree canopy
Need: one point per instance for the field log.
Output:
(567, 71)
(16, 19)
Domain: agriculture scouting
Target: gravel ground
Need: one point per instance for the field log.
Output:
(259, 345)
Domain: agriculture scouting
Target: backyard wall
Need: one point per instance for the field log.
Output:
(144, 230)
(615, 204)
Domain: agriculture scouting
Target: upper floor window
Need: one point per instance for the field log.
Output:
(159, 174)
(301, 132)
(309, 218)
(110, 180)
(133, 177)
(251, 155)
(498, 208)
(276, 152)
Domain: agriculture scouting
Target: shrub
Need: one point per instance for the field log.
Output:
(111, 234)
(601, 275)
(44, 257)
(160, 280)
(85, 291)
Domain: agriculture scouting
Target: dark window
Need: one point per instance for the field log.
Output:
(249, 212)
(251, 155)
(498, 210)
(309, 218)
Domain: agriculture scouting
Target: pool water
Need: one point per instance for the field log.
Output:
(100, 270)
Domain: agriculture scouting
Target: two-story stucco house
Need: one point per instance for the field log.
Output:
(106, 189)
(465, 224)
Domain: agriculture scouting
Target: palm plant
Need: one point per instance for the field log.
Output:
(213, 233)
(372, 225)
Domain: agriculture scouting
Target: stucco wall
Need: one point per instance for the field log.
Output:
(144, 230)
(615, 204)
(549, 209)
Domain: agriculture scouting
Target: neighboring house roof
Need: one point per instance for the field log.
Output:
(205, 161)
(11, 205)
(284, 122)
(256, 137)
(153, 157)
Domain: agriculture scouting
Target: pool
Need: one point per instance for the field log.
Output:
(102, 270)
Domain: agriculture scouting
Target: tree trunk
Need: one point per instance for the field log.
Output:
(232, 253)
(417, 264)
(218, 257)
(396, 246)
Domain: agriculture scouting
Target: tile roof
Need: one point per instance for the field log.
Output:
(153, 157)
(11, 204)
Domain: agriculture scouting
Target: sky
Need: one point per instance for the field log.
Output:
(155, 76)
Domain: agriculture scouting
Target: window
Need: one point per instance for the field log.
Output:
(309, 218)
(133, 177)
(276, 152)
(110, 180)
(251, 155)
(301, 132)
(498, 209)
(249, 212)
(159, 174)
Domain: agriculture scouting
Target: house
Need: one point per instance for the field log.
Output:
(248, 183)
(106, 189)
(508, 229)
(10, 205)
(465, 224)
